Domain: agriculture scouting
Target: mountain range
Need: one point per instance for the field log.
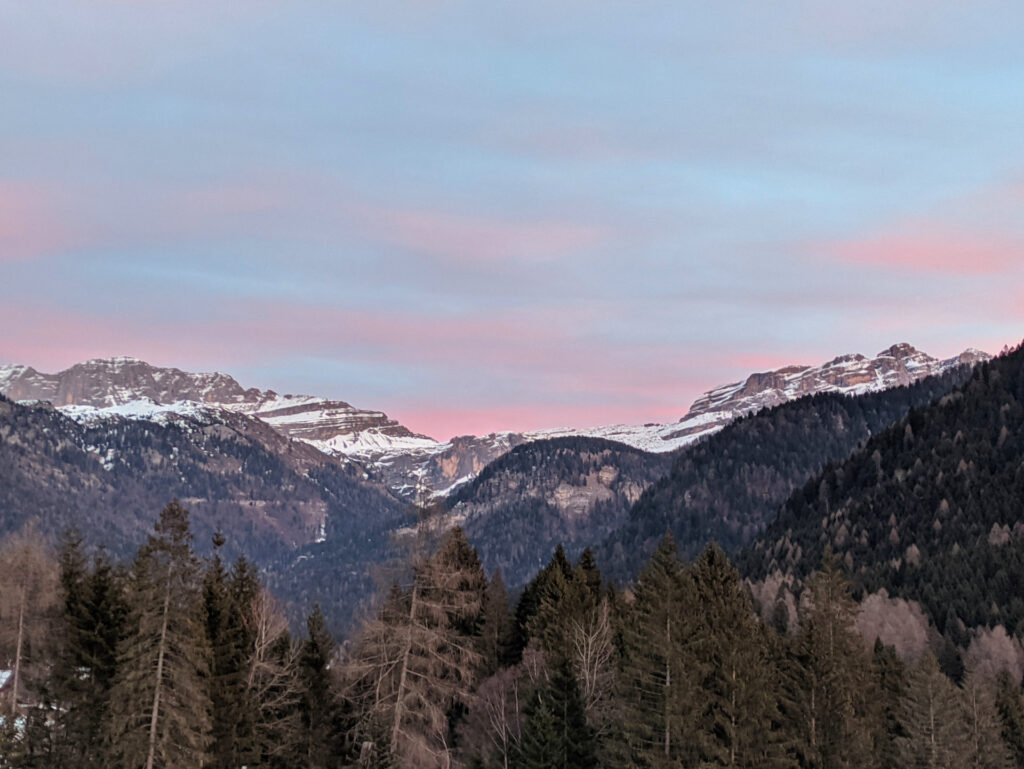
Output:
(314, 489)
(411, 465)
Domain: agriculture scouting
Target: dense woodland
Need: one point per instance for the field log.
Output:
(729, 487)
(930, 508)
(569, 491)
(171, 661)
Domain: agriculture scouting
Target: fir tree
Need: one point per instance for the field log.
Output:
(159, 714)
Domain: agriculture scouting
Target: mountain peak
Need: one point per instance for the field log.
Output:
(901, 350)
(116, 360)
(852, 374)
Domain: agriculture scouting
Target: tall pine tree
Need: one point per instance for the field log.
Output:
(160, 706)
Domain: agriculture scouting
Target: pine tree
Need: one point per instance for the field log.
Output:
(159, 714)
(318, 710)
(659, 669)
(225, 598)
(737, 691)
(985, 746)
(86, 657)
(936, 736)
(497, 629)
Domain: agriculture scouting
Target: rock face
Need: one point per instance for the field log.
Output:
(856, 374)
(117, 385)
(412, 465)
(107, 382)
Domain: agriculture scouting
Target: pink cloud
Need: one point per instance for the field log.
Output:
(460, 237)
(934, 249)
(31, 223)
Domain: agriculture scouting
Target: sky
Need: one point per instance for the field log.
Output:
(485, 216)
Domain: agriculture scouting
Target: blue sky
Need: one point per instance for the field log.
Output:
(480, 216)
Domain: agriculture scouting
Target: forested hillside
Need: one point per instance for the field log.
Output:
(568, 491)
(930, 508)
(729, 487)
(270, 495)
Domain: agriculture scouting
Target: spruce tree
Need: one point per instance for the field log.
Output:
(160, 706)
(1010, 705)
(659, 669)
(318, 710)
(936, 734)
(555, 734)
(737, 689)
(540, 743)
(497, 628)
(827, 702)
(558, 568)
(986, 748)
(225, 599)
(86, 658)
(889, 674)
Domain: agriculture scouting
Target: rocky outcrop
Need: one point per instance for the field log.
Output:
(901, 364)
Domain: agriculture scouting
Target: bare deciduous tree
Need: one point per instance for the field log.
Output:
(28, 597)
(272, 681)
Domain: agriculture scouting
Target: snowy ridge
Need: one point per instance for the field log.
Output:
(857, 374)
(413, 465)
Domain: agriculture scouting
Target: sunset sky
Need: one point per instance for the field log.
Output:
(487, 215)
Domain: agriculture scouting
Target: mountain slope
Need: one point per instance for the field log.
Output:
(110, 477)
(729, 487)
(930, 508)
(569, 491)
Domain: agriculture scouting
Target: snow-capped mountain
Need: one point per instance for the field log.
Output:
(901, 364)
(410, 464)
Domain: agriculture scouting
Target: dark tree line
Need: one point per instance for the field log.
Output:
(729, 487)
(172, 661)
(166, 662)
